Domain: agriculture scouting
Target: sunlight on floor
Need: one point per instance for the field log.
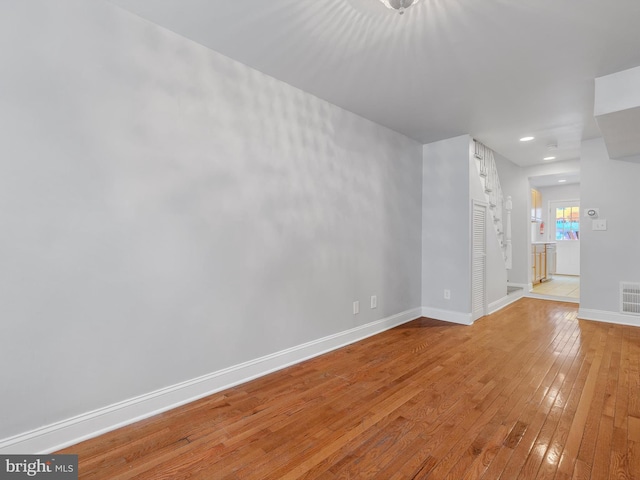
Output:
(560, 285)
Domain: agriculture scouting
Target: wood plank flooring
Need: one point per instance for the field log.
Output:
(527, 393)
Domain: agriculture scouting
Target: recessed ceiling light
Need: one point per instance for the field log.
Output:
(549, 158)
(561, 181)
(526, 139)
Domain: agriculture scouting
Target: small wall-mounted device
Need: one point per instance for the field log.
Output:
(591, 212)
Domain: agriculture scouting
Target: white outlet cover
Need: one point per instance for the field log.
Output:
(599, 225)
(356, 307)
(374, 301)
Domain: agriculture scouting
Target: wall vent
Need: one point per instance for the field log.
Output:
(630, 298)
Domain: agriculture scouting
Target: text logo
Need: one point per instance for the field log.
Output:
(49, 467)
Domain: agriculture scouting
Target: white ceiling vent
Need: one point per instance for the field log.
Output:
(630, 298)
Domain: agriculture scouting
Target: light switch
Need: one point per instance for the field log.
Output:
(599, 225)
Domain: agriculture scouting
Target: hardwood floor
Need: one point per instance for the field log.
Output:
(529, 392)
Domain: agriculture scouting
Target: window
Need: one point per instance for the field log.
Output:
(568, 223)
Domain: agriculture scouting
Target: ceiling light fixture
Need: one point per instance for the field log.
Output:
(399, 5)
(549, 158)
(526, 139)
(561, 181)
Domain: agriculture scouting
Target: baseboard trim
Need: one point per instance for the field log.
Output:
(608, 317)
(68, 432)
(493, 307)
(447, 315)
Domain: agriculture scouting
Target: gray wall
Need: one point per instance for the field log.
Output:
(451, 182)
(168, 212)
(515, 183)
(495, 269)
(445, 225)
(608, 257)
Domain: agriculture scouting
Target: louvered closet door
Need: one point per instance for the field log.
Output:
(479, 260)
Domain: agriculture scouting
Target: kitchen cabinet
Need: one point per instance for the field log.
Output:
(550, 252)
(538, 262)
(536, 205)
(543, 261)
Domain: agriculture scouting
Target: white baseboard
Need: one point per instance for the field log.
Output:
(447, 315)
(608, 317)
(493, 307)
(68, 432)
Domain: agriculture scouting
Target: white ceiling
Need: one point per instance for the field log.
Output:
(495, 69)
(553, 180)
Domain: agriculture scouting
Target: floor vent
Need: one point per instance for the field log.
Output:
(630, 298)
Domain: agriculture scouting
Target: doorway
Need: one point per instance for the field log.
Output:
(555, 238)
(564, 229)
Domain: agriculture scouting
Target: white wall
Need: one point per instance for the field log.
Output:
(515, 183)
(450, 184)
(608, 257)
(168, 212)
(496, 271)
(446, 225)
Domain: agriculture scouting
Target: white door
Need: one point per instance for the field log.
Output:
(479, 261)
(564, 229)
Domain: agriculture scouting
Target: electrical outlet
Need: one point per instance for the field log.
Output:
(447, 294)
(374, 301)
(356, 307)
